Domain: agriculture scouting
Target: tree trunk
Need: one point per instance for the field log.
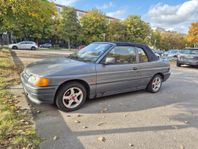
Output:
(1, 39)
(69, 44)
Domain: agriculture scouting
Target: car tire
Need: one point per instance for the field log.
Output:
(33, 48)
(71, 96)
(178, 64)
(155, 84)
(14, 47)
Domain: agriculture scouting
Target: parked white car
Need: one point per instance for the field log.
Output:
(24, 45)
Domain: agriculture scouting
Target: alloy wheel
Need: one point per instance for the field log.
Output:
(72, 97)
(156, 83)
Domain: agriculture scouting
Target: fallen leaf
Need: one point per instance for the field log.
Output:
(186, 122)
(102, 139)
(22, 120)
(100, 124)
(175, 127)
(27, 123)
(76, 121)
(79, 115)
(84, 127)
(38, 111)
(182, 147)
(55, 138)
(103, 110)
(131, 145)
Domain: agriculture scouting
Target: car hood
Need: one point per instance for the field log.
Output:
(58, 66)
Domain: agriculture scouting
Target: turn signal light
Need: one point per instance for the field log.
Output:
(42, 82)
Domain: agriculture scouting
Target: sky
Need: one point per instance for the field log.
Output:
(172, 15)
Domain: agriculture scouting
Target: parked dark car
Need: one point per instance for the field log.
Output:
(188, 57)
(46, 45)
(100, 69)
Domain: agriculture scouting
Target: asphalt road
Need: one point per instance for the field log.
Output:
(139, 120)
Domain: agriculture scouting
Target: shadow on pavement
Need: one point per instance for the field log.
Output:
(130, 130)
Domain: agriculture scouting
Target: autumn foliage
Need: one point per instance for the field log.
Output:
(193, 33)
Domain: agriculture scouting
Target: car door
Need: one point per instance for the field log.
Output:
(117, 71)
(29, 44)
(145, 69)
(22, 45)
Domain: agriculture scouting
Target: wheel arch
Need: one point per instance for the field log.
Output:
(15, 47)
(33, 47)
(82, 82)
(161, 74)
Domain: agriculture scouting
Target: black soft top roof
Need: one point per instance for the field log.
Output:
(124, 43)
(148, 51)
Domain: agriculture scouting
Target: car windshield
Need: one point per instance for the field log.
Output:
(91, 52)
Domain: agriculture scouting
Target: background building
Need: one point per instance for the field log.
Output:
(80, 12)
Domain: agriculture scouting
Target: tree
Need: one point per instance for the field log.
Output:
(33, 18)
(155, 39)
(193, 34)
(55, 31)
(27, 18)
(69, 26)
(172, 40)
(137, 30)
(116, 31)
(94, 26)
(6, 15)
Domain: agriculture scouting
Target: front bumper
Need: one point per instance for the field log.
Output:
(38, 95)
(188, 62)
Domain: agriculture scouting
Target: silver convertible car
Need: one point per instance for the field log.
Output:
(100, 69)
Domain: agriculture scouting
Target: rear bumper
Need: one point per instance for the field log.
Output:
(39, 95)
(166, 76)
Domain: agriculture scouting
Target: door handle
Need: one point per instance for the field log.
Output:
(135, 68)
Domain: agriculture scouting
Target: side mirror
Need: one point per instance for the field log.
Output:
(109, 60)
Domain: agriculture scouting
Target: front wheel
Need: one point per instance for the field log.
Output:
(71, 96)
(33, 48)
(155, 84)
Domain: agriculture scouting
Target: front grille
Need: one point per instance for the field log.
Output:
(26, 75)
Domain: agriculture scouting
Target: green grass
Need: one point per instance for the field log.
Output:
(13, 131)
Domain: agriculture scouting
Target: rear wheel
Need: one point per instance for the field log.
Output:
(15, 47)
(155, 84)
(71, 96)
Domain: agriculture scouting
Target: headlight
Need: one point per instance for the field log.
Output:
(32, 79)
(38, 81)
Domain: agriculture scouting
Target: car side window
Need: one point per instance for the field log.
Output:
(122, 55)
(29, 42)
(142, 56)
(22, 42)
